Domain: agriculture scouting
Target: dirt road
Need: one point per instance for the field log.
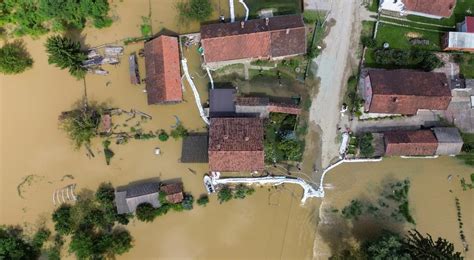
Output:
(333, 68)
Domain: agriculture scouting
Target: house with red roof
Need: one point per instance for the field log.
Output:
(436, 9)
(163, 71)
(410, 143)
(462, 39)
(404, 91)
(236, 144)
(270, 38)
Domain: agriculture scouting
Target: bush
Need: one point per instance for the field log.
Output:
(421, 59)
(354, 210)
(203, 200)
(179, 132)
(198, 10)
(40, 237)
(107, 152)
(62, 218)
(66, 54)
(15, 245)
(14, 58)
(368, 41)
(145, 212)
(224, 195)
(242, 190)
(292, 149)
(163, 136)
(188, 202)
(365, 145)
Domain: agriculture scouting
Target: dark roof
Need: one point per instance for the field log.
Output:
(172, 188)
(222, 101)
(194, 148)
(163, 75)
(283, 36)
(236, 144)
(442, 8)
(409, 82)
(140, 189)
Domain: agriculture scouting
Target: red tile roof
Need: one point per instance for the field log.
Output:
(236, 144)
(406, 91)
(173, 191)
(420, 142)
(283, 36)
(163, 75)
(284, 108)
(469, 24)
(442, 8)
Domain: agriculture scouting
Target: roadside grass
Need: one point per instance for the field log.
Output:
(373, 6)
(280, 7)
(467, 154)
(368, 28)
(466, 64)
(399, 37)
(463, 8)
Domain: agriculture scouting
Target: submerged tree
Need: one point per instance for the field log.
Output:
(14, 244)
(81, 124)
(66, 54)
(421, 247)
(198, 10)
(14, 58)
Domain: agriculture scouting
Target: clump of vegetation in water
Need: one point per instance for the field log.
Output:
(163, 136)
(81, 124)
(91, 222)
(465, 185)
(353, 210)
(145, 27)
(280, 143)
(467, 154)
(390, 245)
(14, 58)
(365, 145)
(460, 223)
(147, 213)
(26, 17)
(198, 10)
(241, 191)
(15, 244)
(179, 132)
(107, 152)
(203, 200)
(66, 54)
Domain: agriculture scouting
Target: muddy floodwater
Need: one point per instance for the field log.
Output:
(36, 159)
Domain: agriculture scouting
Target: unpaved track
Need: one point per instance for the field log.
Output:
(332, 67)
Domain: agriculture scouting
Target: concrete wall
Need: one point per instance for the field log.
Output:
(448, 148)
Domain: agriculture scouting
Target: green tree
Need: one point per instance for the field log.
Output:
(81, 124)
(242, 191)
(224, 194)
(23, 16)
(62, 218)
(66, 54)
(15, 245)
(365, 145)
(179, 132)
(163, 136)
(291, 148)
(388, 246)
(421, 247)
(40, 237)
(145, 212)
(203, 200)
(83, 245)
(198, 10)
(14, 58)
(121, 242)
(188, 202)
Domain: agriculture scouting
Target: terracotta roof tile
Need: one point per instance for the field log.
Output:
(284, 35)
(420, 142)
(442, 8)
(469, 24)
(236, 144)
(163, 74)
(406, 91)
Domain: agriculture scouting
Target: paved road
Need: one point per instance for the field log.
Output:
(332, 67)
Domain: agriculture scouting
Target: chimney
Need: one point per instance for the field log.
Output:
(226, 137)
(246, 138)
(287, 30)
(242, 24)
(267, 20)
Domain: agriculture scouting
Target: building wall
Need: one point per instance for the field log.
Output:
(406, 105)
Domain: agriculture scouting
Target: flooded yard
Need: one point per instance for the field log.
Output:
(269, 224)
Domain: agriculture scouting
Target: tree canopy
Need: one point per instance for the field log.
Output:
(14, 58)
(14, 244)
(66, 54)
(37, 17)
(421, 247)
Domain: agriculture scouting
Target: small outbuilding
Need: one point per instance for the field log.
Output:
(449, 140)
(194, 148)
(410, 143)
(129, 197)
(222, 101)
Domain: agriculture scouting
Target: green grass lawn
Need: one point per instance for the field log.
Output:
(467, 65)
(367, 29)
(280, 6)
(398, 37)
(463, 8)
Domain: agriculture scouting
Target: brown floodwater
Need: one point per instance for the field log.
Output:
(269, 224)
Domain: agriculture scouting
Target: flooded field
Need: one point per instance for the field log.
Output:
(269, 224)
